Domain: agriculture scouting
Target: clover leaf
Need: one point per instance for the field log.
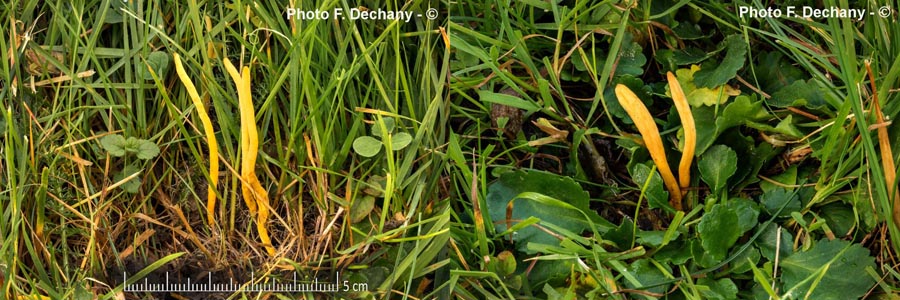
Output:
(369, 146)
(114, 144)
(119, 146)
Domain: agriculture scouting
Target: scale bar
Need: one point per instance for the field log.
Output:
(209, 287)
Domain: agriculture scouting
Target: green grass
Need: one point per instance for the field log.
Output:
(316, 86)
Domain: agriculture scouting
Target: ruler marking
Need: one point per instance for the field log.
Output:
(264, 285)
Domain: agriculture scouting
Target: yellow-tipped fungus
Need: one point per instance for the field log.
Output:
(255, 195)
(645, 125)
(210, 137)
(245, 189)
(884, 145)
(690, 131)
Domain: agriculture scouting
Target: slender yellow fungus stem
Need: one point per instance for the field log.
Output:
(210, 137)
(645, 125)
(884, 145)
(690, 132)
(245, 189)
(255, 195)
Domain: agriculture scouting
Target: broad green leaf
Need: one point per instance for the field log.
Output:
(727, 69)
(560, 293)
(375, 185)
(388, 124)
(118, 145)
(631, 58)
(743, 146)
(400, 141)
(132, 145)
(701, 96)
(500, 98)
(867, 217)
(768, 242)
(552, 271)
(689, 55)
(690, 31)
(773, 200)
(366, 146)
(743, 261)
(785, 129)
(762, 153)
(680, 57)
(705, 122)
(648, 274)
(114, 144)
(844, 266)
(657, 196)
(677, 252)
(80, 293)
(564, 189)
(637, 86)
(507, 263)
(718, 289)
(719, 230)
(462, 60)
(146, 149)
(158, 61)
(709, 126)
(113, 16)
(786, 178)
(621, 235)
(747, 211)
(739, 112)
(774, 72)
(716, 165)
(131, 186)
(652, 238)
(799, 93)
(361, 208)
(702, 257)
(840, 218)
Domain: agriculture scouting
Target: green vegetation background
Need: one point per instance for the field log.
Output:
(481, 155)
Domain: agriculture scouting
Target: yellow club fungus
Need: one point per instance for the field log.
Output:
(690, 131)
(255, 195)
(650, 134)
(210, 137)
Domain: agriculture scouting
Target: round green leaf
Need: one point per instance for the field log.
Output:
(719, 230)
(733, 61)
(361, 208)
(375, 185)
(718, 289)
(400, 141)
(647, 274)
(114, 144)
(507, 263)
(388, 124)
(157, 61)
(716, 165)
(366, 146)
(843, 264)
(561, 189)
(146, 149)
(657, 196)
(131, 186)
